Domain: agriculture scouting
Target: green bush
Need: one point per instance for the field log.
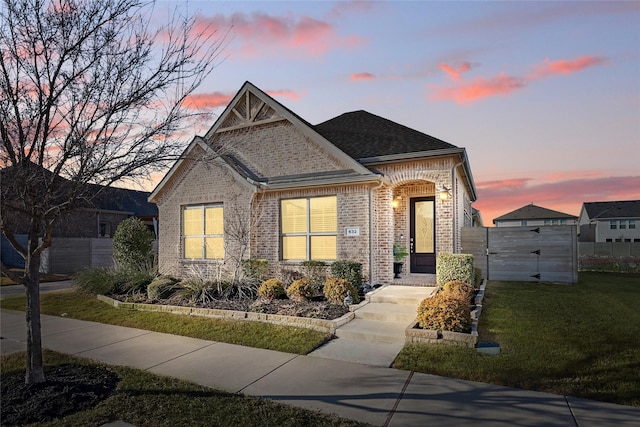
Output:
(336, 290)
(271, 289)
(456, 286)
(133, 245)
(445, 312)
(100, 280)
(195, 290)
(348, 270)
(454, 267)
(301, 290)
(162, 287)
(255, 270)
(477, 278)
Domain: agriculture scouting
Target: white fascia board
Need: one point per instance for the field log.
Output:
(373, 179)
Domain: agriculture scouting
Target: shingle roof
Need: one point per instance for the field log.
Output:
(125, 200)
(361, 134)
(606, 210)
(533, 212)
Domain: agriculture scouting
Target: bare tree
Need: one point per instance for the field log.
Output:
(89, 94)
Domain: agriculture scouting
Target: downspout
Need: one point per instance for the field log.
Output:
(371, 190)
(454, 196)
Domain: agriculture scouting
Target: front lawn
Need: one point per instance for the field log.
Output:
(580, 340)
(146, 399)
(78, 305)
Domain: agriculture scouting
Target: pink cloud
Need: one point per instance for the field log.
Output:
(502, 84)
(454, 72)
(285, 93)
(202, 101)
(566, 195)
(562, 66)
(358, 77)
(260, 33)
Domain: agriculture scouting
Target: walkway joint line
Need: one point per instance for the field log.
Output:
(400, 396)
(571, 411)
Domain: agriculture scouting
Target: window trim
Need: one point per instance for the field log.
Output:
(308, 234)
(203, 236)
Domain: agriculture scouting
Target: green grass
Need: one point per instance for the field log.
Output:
(78, 305)
(580, 340)
(146, 399)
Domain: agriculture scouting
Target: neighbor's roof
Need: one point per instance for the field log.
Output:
(361, 135)
(533, 212)
(607, 210)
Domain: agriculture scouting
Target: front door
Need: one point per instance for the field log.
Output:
(422, 235)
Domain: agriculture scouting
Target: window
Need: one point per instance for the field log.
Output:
(105, 229)
(632, 224)
(623, 225)
(523, 223)
(203, 232)
(613, 224)
(609, 240)
(309, 228)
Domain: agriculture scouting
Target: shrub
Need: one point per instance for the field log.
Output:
(301, 290)
(271, 289)
(287, 277)
(348, 270)
(133, 245)
(315, 272)
(477, 278)
(445, 312)
(194, 290)
(255, 270)
(336, 290)
(454, 267)
(135, 281)
(100, 280)
(456, 286)
(162, 287)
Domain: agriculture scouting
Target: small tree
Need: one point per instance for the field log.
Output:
(91, 92)
(133, 245)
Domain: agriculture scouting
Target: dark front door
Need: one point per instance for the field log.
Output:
(422, 235)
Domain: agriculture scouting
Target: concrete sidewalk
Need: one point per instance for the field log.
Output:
(377, 395)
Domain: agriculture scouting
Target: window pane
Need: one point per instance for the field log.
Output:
(214, 220)
(323, 248)
(193, 247)
(192, 221)
(324, 214)
(424, 227)
(632, 223)
(613, 224)
(214, 248)
(294, 247)
(294, 216)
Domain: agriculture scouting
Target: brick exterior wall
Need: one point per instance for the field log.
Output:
(277, 150)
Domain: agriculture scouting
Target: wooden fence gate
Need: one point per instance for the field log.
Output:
(524, 254)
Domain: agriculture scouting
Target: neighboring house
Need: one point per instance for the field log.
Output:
(532, 215)
(610, 221)
(98, 218)
(264, 183)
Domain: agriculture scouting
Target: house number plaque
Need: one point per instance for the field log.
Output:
(351, 231)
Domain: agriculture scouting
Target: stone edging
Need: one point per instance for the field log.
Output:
(322, 325)
(413, 334)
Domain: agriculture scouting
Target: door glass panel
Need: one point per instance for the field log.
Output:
(424, 239)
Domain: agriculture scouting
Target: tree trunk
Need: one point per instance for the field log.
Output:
(35, 370)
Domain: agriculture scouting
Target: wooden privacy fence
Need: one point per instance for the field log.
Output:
(70, 255)
(524, 254)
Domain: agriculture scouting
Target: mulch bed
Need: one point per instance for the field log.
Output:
(317, 308)
(68, 389)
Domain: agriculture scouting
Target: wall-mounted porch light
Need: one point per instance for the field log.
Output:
(396, 202)
(445, 193)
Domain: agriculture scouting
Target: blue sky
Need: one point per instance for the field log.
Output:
(545, 96)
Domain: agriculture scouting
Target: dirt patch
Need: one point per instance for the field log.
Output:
(69, 388)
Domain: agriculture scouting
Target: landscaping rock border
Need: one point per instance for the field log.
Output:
(322, 325)
(414, 334)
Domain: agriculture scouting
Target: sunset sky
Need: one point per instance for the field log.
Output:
(545, 96)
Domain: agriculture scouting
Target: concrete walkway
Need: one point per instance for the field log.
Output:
(373, 394)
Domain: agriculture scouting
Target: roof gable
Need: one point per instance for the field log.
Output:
(363, 135)
(607, 210)
(533, 212)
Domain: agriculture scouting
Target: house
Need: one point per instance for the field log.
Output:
(264, 183)
(532, 215)
(610, 221)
